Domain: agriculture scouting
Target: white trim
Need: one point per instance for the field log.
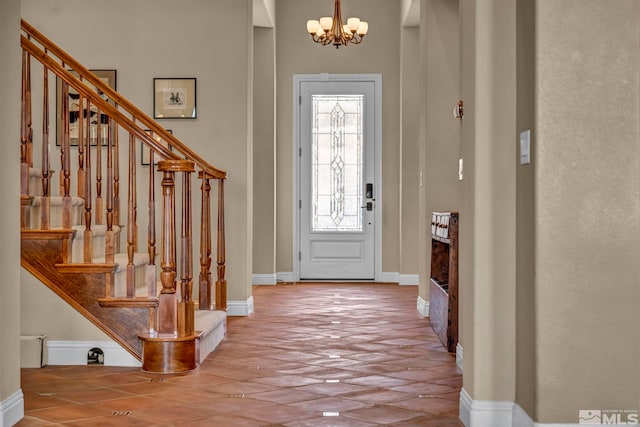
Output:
(409, 279)
(12, 409)
(284, 276)
(297, 82)
(264, 279)
(75, 353)
(422, 306)
(240, 308)
(522, 419)
(484, 413)
(459, 357)
(465, 408)
(389, 277)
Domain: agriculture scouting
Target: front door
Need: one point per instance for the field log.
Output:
(337, 187)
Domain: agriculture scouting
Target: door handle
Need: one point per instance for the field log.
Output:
(368, 206)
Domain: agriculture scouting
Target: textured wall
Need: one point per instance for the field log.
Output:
(587, 206)
(10, 192)
(264, 194)
(410, 151)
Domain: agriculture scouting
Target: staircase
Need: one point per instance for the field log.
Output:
(76, 239)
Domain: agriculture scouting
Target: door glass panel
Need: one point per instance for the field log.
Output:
(337, 155)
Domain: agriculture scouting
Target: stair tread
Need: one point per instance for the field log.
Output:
(122, 259)
(207, 320)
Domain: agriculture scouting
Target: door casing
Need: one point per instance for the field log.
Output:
(298, 79)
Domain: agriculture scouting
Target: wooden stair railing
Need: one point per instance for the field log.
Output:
(168, 342)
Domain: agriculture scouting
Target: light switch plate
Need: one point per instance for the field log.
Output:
(525, 147)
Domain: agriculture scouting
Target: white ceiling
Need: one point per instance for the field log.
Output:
(410, 13)
(264, 13)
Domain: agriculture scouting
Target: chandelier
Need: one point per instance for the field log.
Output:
(332, 30)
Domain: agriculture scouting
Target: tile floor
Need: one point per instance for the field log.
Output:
(311, 355)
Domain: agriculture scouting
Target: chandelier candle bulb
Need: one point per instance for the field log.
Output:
(363, 28)
(353, 24)
(326, 22)
(312, 26)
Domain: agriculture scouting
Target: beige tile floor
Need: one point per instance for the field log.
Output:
(314, 355)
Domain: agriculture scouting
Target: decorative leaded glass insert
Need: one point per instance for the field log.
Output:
(337, 150)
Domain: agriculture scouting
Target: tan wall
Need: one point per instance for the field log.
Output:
(525, 214)
(264, 195)
(587, 192)
(494, 202)
(440, 131)
(10, 191)
(140, 48)
(410, 151)
(487, 224)
(379, 53)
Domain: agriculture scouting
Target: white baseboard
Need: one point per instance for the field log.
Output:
(423, 307)
(75, 353)
(409, 279)
(390, 277)
(485, 413)
(284, 276)
(240, 308)
(459, 357)
(12, 409)
(264, 279)
(522, 419)
(386, 277)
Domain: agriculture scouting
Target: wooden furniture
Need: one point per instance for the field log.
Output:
(443, 294)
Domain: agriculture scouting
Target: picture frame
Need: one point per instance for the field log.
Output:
(107, 76)
(145, 152)
(174, 98)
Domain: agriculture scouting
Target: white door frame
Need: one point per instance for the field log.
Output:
(298, 79)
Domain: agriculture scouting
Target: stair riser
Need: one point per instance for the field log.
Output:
(55, 216)
(140, 280)
(98, 245)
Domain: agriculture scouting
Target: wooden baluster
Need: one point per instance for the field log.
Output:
(66, 159)
(28, 112)
(131, 218)
(80, 139)
(186, 308)
(109, 236)
(151, 236)
(221, 283)
(45, 205)
(205, 283)
(116, 185)
(64, 125)
(168, 304)
(88, 234)
(99, 201)
(25, 130)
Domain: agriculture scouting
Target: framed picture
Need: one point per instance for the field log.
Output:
(108, 77)
(145, 152)
(174, 98)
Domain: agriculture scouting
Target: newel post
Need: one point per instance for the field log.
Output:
(168, 301)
